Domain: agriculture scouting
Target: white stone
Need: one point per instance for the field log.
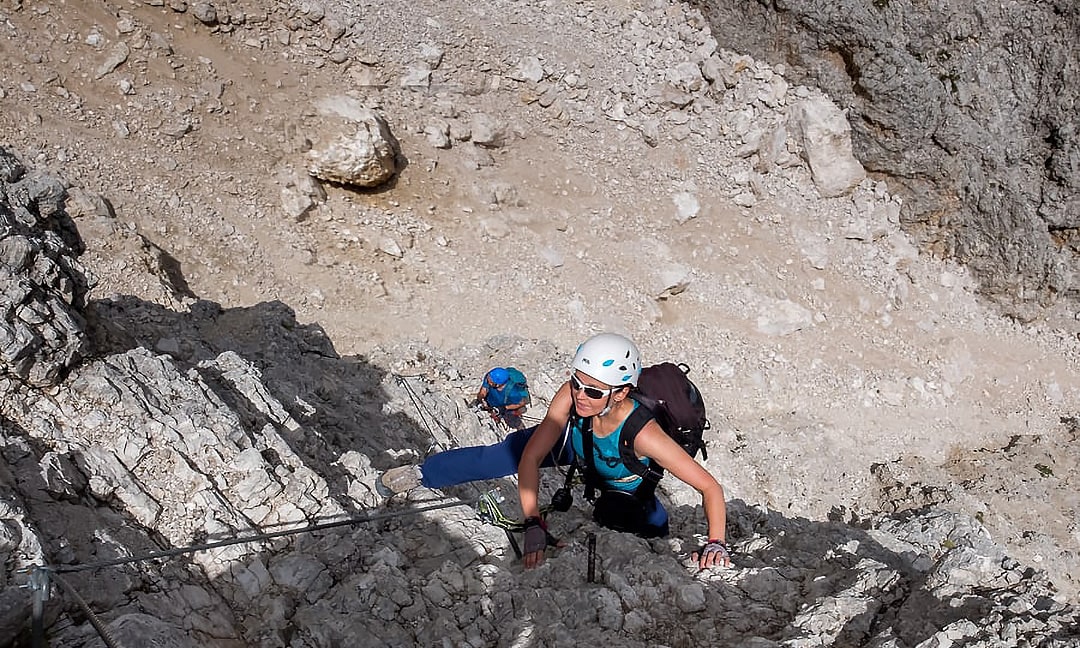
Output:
(784, 317)
(529, 69)
(686, 206)
(824, 138)
(359, 148)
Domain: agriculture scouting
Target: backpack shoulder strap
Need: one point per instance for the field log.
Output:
(650, 477)
(653, 406)
(587, 462)
(630, 429)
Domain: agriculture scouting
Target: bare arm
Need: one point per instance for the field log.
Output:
(652, 442)
(540, 443)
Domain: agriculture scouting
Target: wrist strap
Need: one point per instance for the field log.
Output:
(535, 521)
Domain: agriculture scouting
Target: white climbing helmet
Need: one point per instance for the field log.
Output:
(609, 358)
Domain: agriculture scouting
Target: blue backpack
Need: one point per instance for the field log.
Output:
(517, 387)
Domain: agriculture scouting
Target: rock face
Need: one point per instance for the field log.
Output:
(42, 285)
(205, 425)
(969, 110)
(146, 451)
(208, 431)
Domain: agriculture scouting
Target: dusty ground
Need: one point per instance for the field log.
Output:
(822, 340)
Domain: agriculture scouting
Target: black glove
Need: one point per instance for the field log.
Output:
(536, 536)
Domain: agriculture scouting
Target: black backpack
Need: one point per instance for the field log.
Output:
(675, 402)
(665, 393)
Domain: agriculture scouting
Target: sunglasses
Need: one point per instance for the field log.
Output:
(594, 393)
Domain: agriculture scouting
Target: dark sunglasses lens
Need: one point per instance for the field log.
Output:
(591, 392)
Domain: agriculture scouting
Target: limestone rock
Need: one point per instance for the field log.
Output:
(42, 284)
(951, 128)
(357, 147)
(825, 142)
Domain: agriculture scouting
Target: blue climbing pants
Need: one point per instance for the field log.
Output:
(476, 463)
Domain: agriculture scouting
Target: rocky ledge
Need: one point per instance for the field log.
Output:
(199, 426)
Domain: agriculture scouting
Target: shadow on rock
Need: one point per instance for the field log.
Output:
(323, 404)
(213, 425)
(897, 580)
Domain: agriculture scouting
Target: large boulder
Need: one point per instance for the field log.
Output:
(356, 146)
(825, 143)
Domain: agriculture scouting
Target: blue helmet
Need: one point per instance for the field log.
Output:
(499, 376)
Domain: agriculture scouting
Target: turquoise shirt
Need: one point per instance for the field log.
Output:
(508, 395)
(513, 392)
(609, 464)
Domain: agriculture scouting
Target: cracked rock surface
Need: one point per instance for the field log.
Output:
(200, 342)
